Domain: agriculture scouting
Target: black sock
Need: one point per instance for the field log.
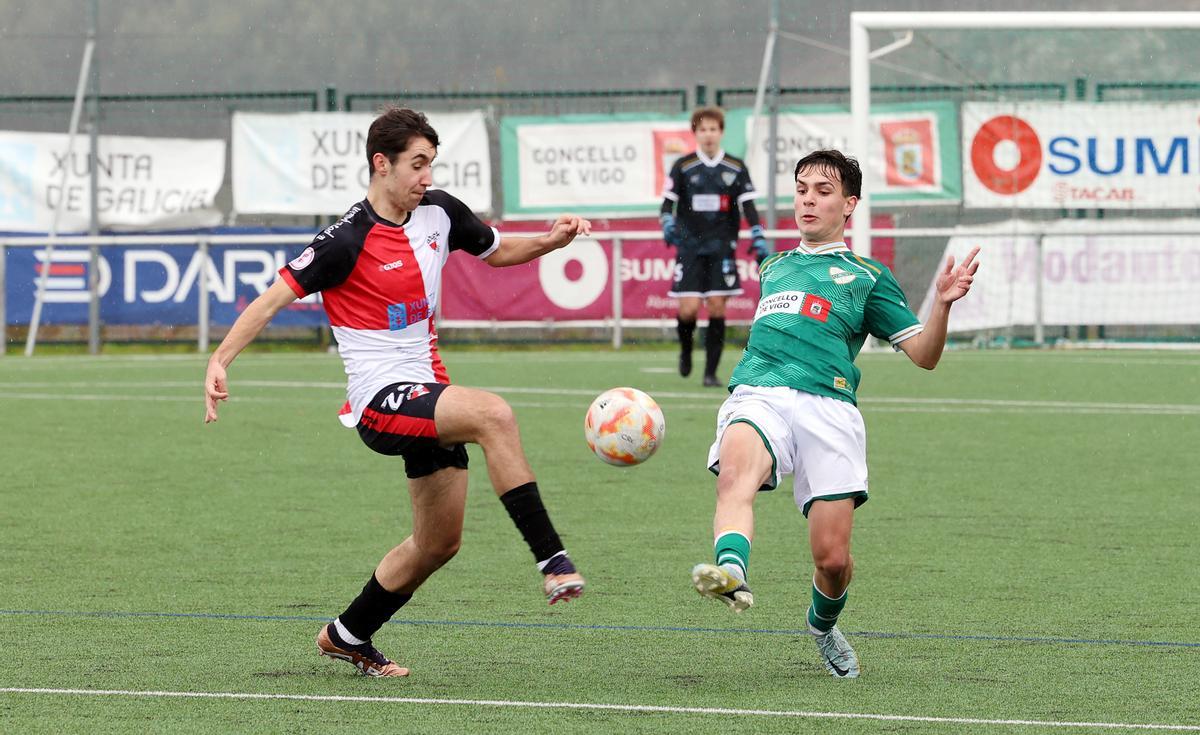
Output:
(685, 331)
(714, 342)
(373, 607)
(524, 506)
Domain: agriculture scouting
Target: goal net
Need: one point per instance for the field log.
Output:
(1064, 144)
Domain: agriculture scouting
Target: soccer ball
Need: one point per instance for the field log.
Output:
(624, 426)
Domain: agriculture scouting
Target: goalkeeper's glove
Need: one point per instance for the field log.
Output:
(670, 231)
(758, 244)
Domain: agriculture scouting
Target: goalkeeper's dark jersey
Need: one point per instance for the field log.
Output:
(708, 195)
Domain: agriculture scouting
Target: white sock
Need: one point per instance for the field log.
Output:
(346, 635)
(735, 570)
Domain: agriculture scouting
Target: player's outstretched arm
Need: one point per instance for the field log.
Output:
(952, 284)
(251, 321)
(515, 250)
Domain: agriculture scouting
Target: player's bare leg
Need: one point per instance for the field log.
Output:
(438, 505)
(483, 418)
(745, 467)
(830, 523)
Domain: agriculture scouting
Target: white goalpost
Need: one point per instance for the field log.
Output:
(1110, 261)
(862, 23)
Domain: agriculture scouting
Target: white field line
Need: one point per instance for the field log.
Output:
(882, 404)
(720, 711)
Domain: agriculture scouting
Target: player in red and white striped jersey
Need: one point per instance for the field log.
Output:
(379, 271)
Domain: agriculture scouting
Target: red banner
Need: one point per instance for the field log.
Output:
(575, 283)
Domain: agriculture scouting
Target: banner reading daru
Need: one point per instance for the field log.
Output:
(316, 162)
(141, 182)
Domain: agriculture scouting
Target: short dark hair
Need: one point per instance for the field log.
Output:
(391, 133)
(712, 113)
(830, 161)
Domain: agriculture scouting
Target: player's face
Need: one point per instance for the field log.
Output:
(708, 136)
(821, 205)
(406, 179)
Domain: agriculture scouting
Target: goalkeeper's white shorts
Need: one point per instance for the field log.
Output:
(820, 441)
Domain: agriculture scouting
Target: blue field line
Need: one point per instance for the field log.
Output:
(625, 628)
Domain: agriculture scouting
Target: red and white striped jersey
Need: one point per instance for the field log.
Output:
(381, 282)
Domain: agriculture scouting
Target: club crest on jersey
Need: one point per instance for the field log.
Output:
(840, 383)
(301, 261)
(728, 177)
(839, 276)
(431, 240)
(815, 307)
(410, 312)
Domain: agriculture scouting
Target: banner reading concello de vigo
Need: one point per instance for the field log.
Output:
(316, 162)
(589, 163)
(1110, 155)
(913, 150)
(1086, 279)
(141, 182)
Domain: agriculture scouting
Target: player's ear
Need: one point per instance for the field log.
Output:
(851, 203)
(379, 164)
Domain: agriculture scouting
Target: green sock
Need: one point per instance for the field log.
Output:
(732, 548)
(824, 612)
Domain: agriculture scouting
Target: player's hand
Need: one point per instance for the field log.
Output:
(215, 390)
(758, 244)
(567, 227)
(669, 228)
(953, 282)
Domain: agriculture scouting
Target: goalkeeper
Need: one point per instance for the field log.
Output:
(700, 218)
(793, 407)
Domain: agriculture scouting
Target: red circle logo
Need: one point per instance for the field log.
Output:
(983, 151)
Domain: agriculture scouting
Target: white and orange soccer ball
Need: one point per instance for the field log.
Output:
(624, 426)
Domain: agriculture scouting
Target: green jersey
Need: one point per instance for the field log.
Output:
(816, 309)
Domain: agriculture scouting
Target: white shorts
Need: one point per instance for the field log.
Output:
(820, 441)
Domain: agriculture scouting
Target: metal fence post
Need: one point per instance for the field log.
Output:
(617, 305)
(202, 299)
(3, 303)
(1039, 321)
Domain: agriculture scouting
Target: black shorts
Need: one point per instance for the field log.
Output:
(706, 275)
(399, 421)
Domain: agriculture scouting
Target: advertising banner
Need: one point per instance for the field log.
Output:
(141, 182)
(316, 162)
(1087, 279)
(589, 163)
(913, 152)
(1110, 155)
(151, 285)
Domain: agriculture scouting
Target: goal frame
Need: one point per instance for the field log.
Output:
(862, 23)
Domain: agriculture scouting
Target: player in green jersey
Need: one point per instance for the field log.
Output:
(793, 408)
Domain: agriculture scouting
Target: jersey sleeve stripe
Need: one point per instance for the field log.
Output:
(906, 333)
(292, 283)
(865, 263)
(670, 195)
(495, 245)
(747, 195)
